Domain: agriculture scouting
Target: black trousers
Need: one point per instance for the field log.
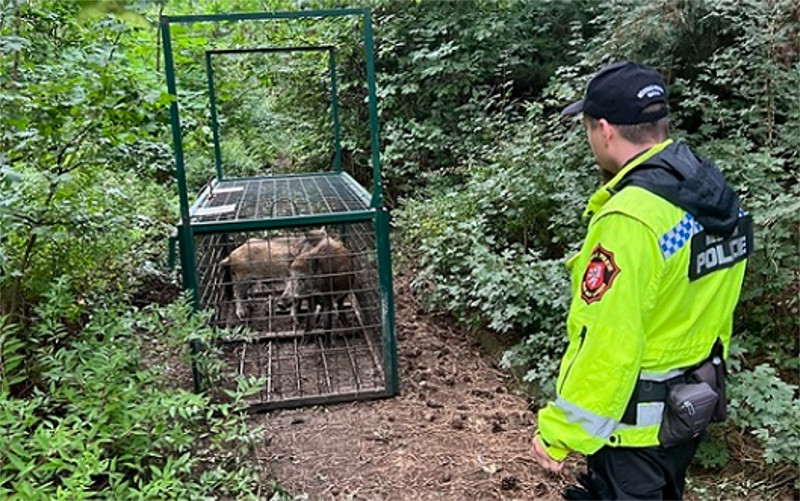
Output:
(635, 473)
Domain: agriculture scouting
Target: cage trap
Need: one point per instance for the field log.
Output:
(296, 267)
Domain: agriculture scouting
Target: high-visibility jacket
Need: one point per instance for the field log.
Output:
(652, 292)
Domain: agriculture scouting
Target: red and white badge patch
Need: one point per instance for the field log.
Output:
(599, 275)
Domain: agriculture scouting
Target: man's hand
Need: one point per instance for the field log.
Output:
(544, 458)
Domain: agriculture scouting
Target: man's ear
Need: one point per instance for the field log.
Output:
(607, 130)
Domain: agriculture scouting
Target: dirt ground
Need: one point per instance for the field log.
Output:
(456, 431)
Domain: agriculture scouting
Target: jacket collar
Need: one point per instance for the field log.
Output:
(605, 193)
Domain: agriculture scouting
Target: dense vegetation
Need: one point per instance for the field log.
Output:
(487, 183)
(85, 406)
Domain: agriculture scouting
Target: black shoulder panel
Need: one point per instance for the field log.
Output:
(710, 253)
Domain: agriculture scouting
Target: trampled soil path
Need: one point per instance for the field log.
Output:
(456, 432)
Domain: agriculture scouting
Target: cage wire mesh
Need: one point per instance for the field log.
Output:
(309, 300)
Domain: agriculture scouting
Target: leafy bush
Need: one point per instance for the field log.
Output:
(100, 421)
(768, 407)
(493, 252)
(446, 67)
(84, 407)
(72, 205)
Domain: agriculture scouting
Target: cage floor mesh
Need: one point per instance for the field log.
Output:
(314, 368)
(300, 366)
(280, 196)
(311, 367)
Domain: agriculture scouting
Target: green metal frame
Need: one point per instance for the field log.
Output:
(377, 213)
(337, 144)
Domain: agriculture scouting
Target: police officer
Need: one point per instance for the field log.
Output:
(654, 289)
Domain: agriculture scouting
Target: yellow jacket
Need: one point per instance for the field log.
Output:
(652, 292)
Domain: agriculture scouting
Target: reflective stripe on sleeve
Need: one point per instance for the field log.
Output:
(647, 414)
(594, 425)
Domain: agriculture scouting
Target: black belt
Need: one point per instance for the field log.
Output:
(658, 391)
(649, 391)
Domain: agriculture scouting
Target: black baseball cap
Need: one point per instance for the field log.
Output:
(620, 92)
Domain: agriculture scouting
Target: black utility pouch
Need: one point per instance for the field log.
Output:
(712, 372)
(687, 412)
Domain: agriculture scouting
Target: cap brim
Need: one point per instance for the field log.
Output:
(573, 108)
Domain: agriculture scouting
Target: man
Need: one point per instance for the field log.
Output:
(654, 289)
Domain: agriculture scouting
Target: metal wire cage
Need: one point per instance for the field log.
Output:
(311, 302)
(301, 262)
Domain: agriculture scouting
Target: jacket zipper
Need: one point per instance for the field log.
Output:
(580, 345)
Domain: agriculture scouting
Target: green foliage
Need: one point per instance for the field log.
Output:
(101, 423)
(493, 252)
(12, 355)
(769, 407)
(446, 67)
(712, 453)
(67, 130)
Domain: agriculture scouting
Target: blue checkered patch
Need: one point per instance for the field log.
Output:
(674, 240)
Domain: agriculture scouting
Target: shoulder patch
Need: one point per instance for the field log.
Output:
(710, 253)
(599, 275)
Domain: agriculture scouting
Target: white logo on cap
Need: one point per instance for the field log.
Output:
(650, 91)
